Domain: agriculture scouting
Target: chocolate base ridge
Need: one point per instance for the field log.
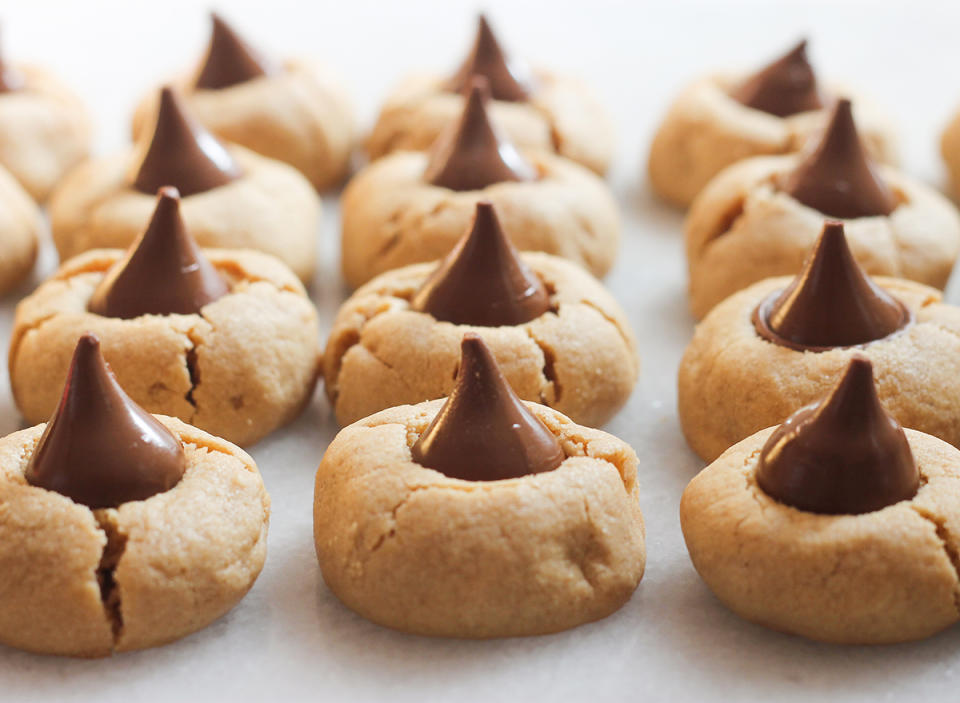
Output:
(760, 317)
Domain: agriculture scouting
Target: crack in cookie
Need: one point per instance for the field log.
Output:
(949, 547)
(106, 569)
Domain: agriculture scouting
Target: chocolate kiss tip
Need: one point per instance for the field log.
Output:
(784, 87)
(471, 154)
(831, 303)
(483, 281)
(837, 176)
(100, 448)
(163, 273)
(484, 432)
(229, 60)
(182, 153)
(843, 456)
(509, 79)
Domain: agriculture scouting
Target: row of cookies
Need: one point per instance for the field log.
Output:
(225, 339)
(818, 514)
(345, 498)
(722, 118)
(127, 529)
(479, 515)
(292, 113)
(474, 187)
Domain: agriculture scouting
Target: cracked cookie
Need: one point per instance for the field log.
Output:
(121, 530)
(44, 128)
(719, 120)
(232, 198)
(837, 525)
(293, 111)
(410, 206)
(772, 348)
(20, 227)
(558, 335)
(759, 217)
(225, 340)
(537, 109)
(479, 515)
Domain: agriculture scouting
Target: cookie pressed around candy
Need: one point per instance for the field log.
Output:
(758, 218)
(858, 546)
(721, 119)
(228, 343)
(232, 197)
(558, 335)
(528, 524)
(411, 207)
(537, 109)
(121, 530)
(292, 111)
(771, 348)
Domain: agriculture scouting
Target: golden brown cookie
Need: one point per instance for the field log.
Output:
(733, 382)
(245, 365)
(538, 110)
(44, 128)
(20, 227)
(85, 582)
(412, 206)
(293, 111)
(410, 548)
(232, 198)
(707, 129)
(873, 575)
(744, 228)
(579, 357)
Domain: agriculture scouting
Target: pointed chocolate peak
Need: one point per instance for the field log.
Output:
(230, 60)
(831, 303)
(10, 78)
(471, 154)
(509, 79)
(837, 176)
(100, 448)
(483, 281)
(783, 88)
(843, 456)
(484, 432)
(181, 153)
(163, 273)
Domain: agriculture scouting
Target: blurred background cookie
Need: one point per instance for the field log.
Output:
(536, 108)
(291, 110)
(721, 119)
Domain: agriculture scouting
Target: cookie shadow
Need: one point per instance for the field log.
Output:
(732, 654)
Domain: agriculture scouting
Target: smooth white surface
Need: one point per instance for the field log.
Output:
(290, 639)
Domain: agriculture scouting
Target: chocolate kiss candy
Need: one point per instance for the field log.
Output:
(471, 154)
(230, 60)
(837, 177)
(783, 88)
(483, 281)
(164, 272)
(100, 448)
(831, 303)
(509, 79)
(484, 432)
(182, 153)
(843, 456)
